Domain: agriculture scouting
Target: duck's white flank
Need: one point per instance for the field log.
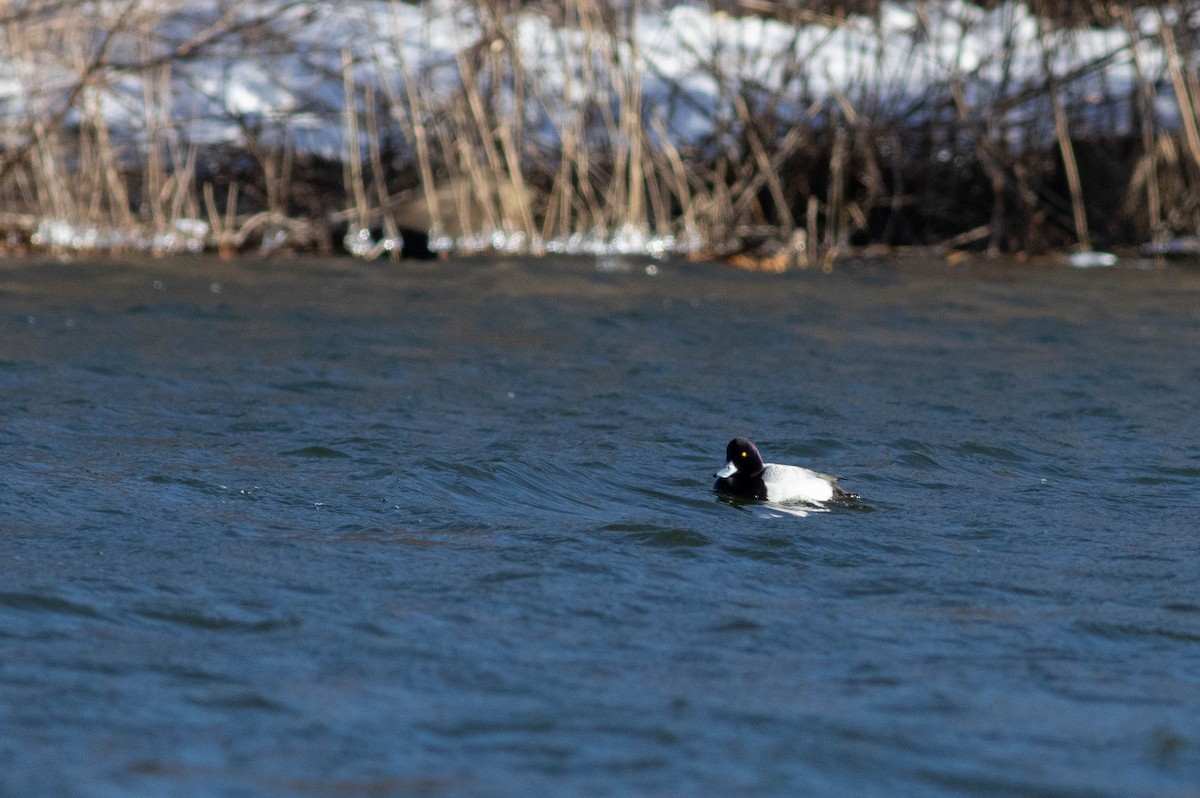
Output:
(787, 483)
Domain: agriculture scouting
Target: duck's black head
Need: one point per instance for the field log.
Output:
(743, 458)
(742, 474)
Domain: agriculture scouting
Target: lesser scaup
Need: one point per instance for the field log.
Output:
(745, 475)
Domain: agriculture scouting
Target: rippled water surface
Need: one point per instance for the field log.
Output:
(324, 528)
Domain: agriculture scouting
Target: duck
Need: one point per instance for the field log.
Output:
(746, 476)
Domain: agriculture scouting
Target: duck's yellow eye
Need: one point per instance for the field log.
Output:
(743, 454)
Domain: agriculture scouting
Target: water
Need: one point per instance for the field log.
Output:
(324, 528)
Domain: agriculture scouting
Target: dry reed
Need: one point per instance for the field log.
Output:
(499, 147)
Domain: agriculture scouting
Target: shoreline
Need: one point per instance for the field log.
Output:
(901, 259)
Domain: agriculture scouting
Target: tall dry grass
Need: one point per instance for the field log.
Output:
(496, 147)
(1007, 163)
(68, 180)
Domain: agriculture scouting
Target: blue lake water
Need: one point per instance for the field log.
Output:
(315, 527)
